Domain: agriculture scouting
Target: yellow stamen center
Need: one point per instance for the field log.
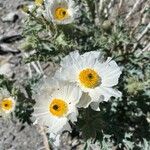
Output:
(6, 104)
(61, 13)
(89, 78)
(58, 107)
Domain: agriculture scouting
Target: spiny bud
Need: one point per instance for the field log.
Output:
(39, 2)
(24, 8)
(107, 25)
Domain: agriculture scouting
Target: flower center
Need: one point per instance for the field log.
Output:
(61, 13)
(58, 107)
(6, 104)
(89, 78)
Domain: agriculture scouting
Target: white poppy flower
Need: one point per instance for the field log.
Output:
(7, 103)
(61, 11)
(95, 77)
(56, 104)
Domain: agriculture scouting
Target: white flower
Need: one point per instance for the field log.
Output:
(7, 103)
(95, 77)
(56, 104)
(61, 11)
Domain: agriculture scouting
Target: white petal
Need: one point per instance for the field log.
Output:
(73, 116)
(95, 106)
(64, 74)
(54, 124)
(66, 127)
(85, 100)
(72, 60)
(90, 59)
(109, 73)
(68, 92)
(58, 124)
(109, 92)
(96, 95)
(70, 67)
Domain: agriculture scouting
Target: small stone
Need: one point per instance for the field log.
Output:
(75, 142)
(11, 17)
(10, 37)
(5, 66)
(5, 48)
(28, 138)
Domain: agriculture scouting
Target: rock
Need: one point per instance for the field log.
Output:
(68, 142)
(10, 17)
(17, 136)
(1, 6)
(5, 48)
(5, 69)
(6, 66)
(10, 37)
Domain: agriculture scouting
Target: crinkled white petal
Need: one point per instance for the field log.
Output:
(58, 124)
(90, 59)
(73, 58)
(85, 100)
(109, 72)
(109, 92)
(68, 92)
(71, 65)
(96, 95)
(73, 116)
(95, 106)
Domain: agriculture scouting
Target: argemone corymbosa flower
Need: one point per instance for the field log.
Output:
(7, 103)
(61, 11)
(95, 77)
(56, 104)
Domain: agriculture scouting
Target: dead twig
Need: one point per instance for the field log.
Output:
(144, 32)
(146, 48)
(34, 65)
(138, 22)
(138, 2)
(43, 133)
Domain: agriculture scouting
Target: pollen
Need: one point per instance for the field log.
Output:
(6, 104)
(58, 107)
(89, 78)
(61, 13)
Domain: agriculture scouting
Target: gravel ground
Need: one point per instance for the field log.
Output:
(16, 136)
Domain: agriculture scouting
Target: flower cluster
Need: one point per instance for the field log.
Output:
(82, 80)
